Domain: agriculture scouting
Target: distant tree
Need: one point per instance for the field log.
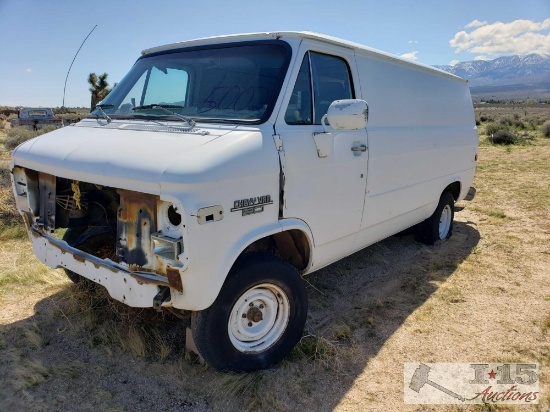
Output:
(100, 87)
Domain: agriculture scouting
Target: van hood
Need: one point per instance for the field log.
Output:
(130, 155)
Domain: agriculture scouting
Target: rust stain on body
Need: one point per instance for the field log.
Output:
(174, 278)
(137, 216)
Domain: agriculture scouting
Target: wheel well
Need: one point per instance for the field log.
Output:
(454, 189)
(291, 245)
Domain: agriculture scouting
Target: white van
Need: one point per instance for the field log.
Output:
(221, 170)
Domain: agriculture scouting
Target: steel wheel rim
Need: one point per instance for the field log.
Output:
(445, 222)
(251, 332)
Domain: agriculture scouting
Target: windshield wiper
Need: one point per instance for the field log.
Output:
(105, 115)
(154, 106)
(165, 107)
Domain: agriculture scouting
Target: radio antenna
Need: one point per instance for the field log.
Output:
(68, 71)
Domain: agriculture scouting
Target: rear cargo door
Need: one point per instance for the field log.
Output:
(325, 179)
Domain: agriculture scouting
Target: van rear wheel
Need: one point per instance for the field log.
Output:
(438, 226)
(257, 318)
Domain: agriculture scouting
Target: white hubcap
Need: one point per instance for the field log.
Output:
(259, 318)
(445, 222)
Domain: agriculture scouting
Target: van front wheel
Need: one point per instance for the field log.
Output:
(438, 226)
(256, 319)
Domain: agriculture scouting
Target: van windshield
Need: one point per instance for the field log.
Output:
(228, 83)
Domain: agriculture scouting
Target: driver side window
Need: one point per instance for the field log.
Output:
(331, 81)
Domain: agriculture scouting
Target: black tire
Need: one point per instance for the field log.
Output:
(428, 231)
(211, 327)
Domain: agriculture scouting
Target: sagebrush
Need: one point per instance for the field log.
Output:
(503, 136)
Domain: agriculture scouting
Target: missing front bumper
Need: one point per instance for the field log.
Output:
(134, 288)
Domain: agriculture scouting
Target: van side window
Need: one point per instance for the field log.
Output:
(331, 81)
(299, 107)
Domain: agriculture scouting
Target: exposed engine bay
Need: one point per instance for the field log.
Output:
(133, 229)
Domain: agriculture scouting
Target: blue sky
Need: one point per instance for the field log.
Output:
(38, 39)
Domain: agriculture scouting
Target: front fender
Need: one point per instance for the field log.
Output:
(202, 286)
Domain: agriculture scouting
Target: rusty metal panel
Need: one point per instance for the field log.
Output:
(46, 184)
(174, 278)
(137, 219)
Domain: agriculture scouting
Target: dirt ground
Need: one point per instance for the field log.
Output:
(482, 296)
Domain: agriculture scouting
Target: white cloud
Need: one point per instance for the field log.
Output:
(454, 62)
(413, 42)
(410, 56)
(28, 70)
(516, 37)
(476, 23)
(481, 58)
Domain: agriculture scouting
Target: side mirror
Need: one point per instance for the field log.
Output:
(348, 114)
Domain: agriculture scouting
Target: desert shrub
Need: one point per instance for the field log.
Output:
(484, 118)
(504, 137)
(538, 120)
(529, 125)
(546, 129)
(512, 121)
(518, 124)
(506, 120)
(492, 128)
(18, 135)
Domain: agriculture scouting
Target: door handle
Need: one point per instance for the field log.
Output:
(361, 148)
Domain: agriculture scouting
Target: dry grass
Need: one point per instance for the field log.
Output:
(28, 373)
(91, 313)
(19, 270)
(249, 386)
(511, 125)
(319, 350)
(521, 117)
(10, 222)
(482, 296)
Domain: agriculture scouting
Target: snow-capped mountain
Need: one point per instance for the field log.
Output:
(507, 76)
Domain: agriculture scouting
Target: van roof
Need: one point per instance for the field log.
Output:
(299, 34)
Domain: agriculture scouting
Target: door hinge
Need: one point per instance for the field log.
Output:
(278, 142)
(282, 164)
